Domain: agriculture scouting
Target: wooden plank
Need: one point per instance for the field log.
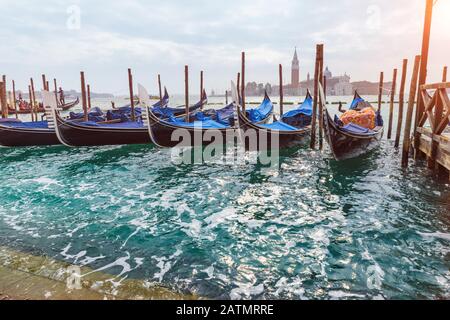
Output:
(444, 74)
(435, 86)
(409, 114)
(401, 103)
(429, 105)
(391, 105)
(442, 155)
(446, 106)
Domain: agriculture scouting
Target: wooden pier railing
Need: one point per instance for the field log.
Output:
(432, 136)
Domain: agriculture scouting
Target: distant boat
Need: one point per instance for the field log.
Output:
(351, 141)
(63, 107)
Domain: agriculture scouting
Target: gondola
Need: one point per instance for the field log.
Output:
(165, 133)
(351, 141)
(76, 133)
(293, 128)
(63, 107)
(15, 133)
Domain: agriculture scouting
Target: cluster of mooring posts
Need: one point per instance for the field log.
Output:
(9, 99)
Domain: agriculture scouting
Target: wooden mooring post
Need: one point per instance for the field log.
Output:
(3, 100)
(83, 96)
(401, 103)
(380, 91)
(33, 103)
(130, 84)
(319, 49)
(444, 74)
(320, 106)
(243, 81)
(409, 114)
(186, 91)
(89, 96)
(30, 95)
(226, 97)
(280, 74)
(391, 104)
(201, 89)
(55, 85)
(14, 98)
(160, 91)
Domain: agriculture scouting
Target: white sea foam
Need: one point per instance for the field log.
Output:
(246, 291)
(339, 294)
(439, 235)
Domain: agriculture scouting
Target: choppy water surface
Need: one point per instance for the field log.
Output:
(316, 229)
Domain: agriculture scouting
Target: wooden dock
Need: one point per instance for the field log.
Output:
(432, 134)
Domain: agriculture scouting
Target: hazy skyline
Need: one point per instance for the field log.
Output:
(362, 38)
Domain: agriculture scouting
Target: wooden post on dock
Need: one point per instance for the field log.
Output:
(160, 91)
(243, 82)
(238, 88)
(409, 114)
(33, 104)
(401, 103)
(89, 96)
(201, 89)
(130, 84)
(424, 60)
(14, 98)
(391, 105)
(444, 74)
(380, 91)
(280, 69)
(186, 91)
(83, 96)
(226, 97)
(316, 96)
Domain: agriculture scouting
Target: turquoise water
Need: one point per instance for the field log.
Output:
(315, 229)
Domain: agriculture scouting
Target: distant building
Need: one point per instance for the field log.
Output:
(335, 85)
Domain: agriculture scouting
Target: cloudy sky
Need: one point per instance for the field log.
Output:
(104, 38)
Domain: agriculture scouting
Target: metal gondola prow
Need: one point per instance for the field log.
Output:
(51, 109)
(145, 104)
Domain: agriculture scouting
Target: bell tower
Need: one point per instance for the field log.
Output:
(295, 71)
